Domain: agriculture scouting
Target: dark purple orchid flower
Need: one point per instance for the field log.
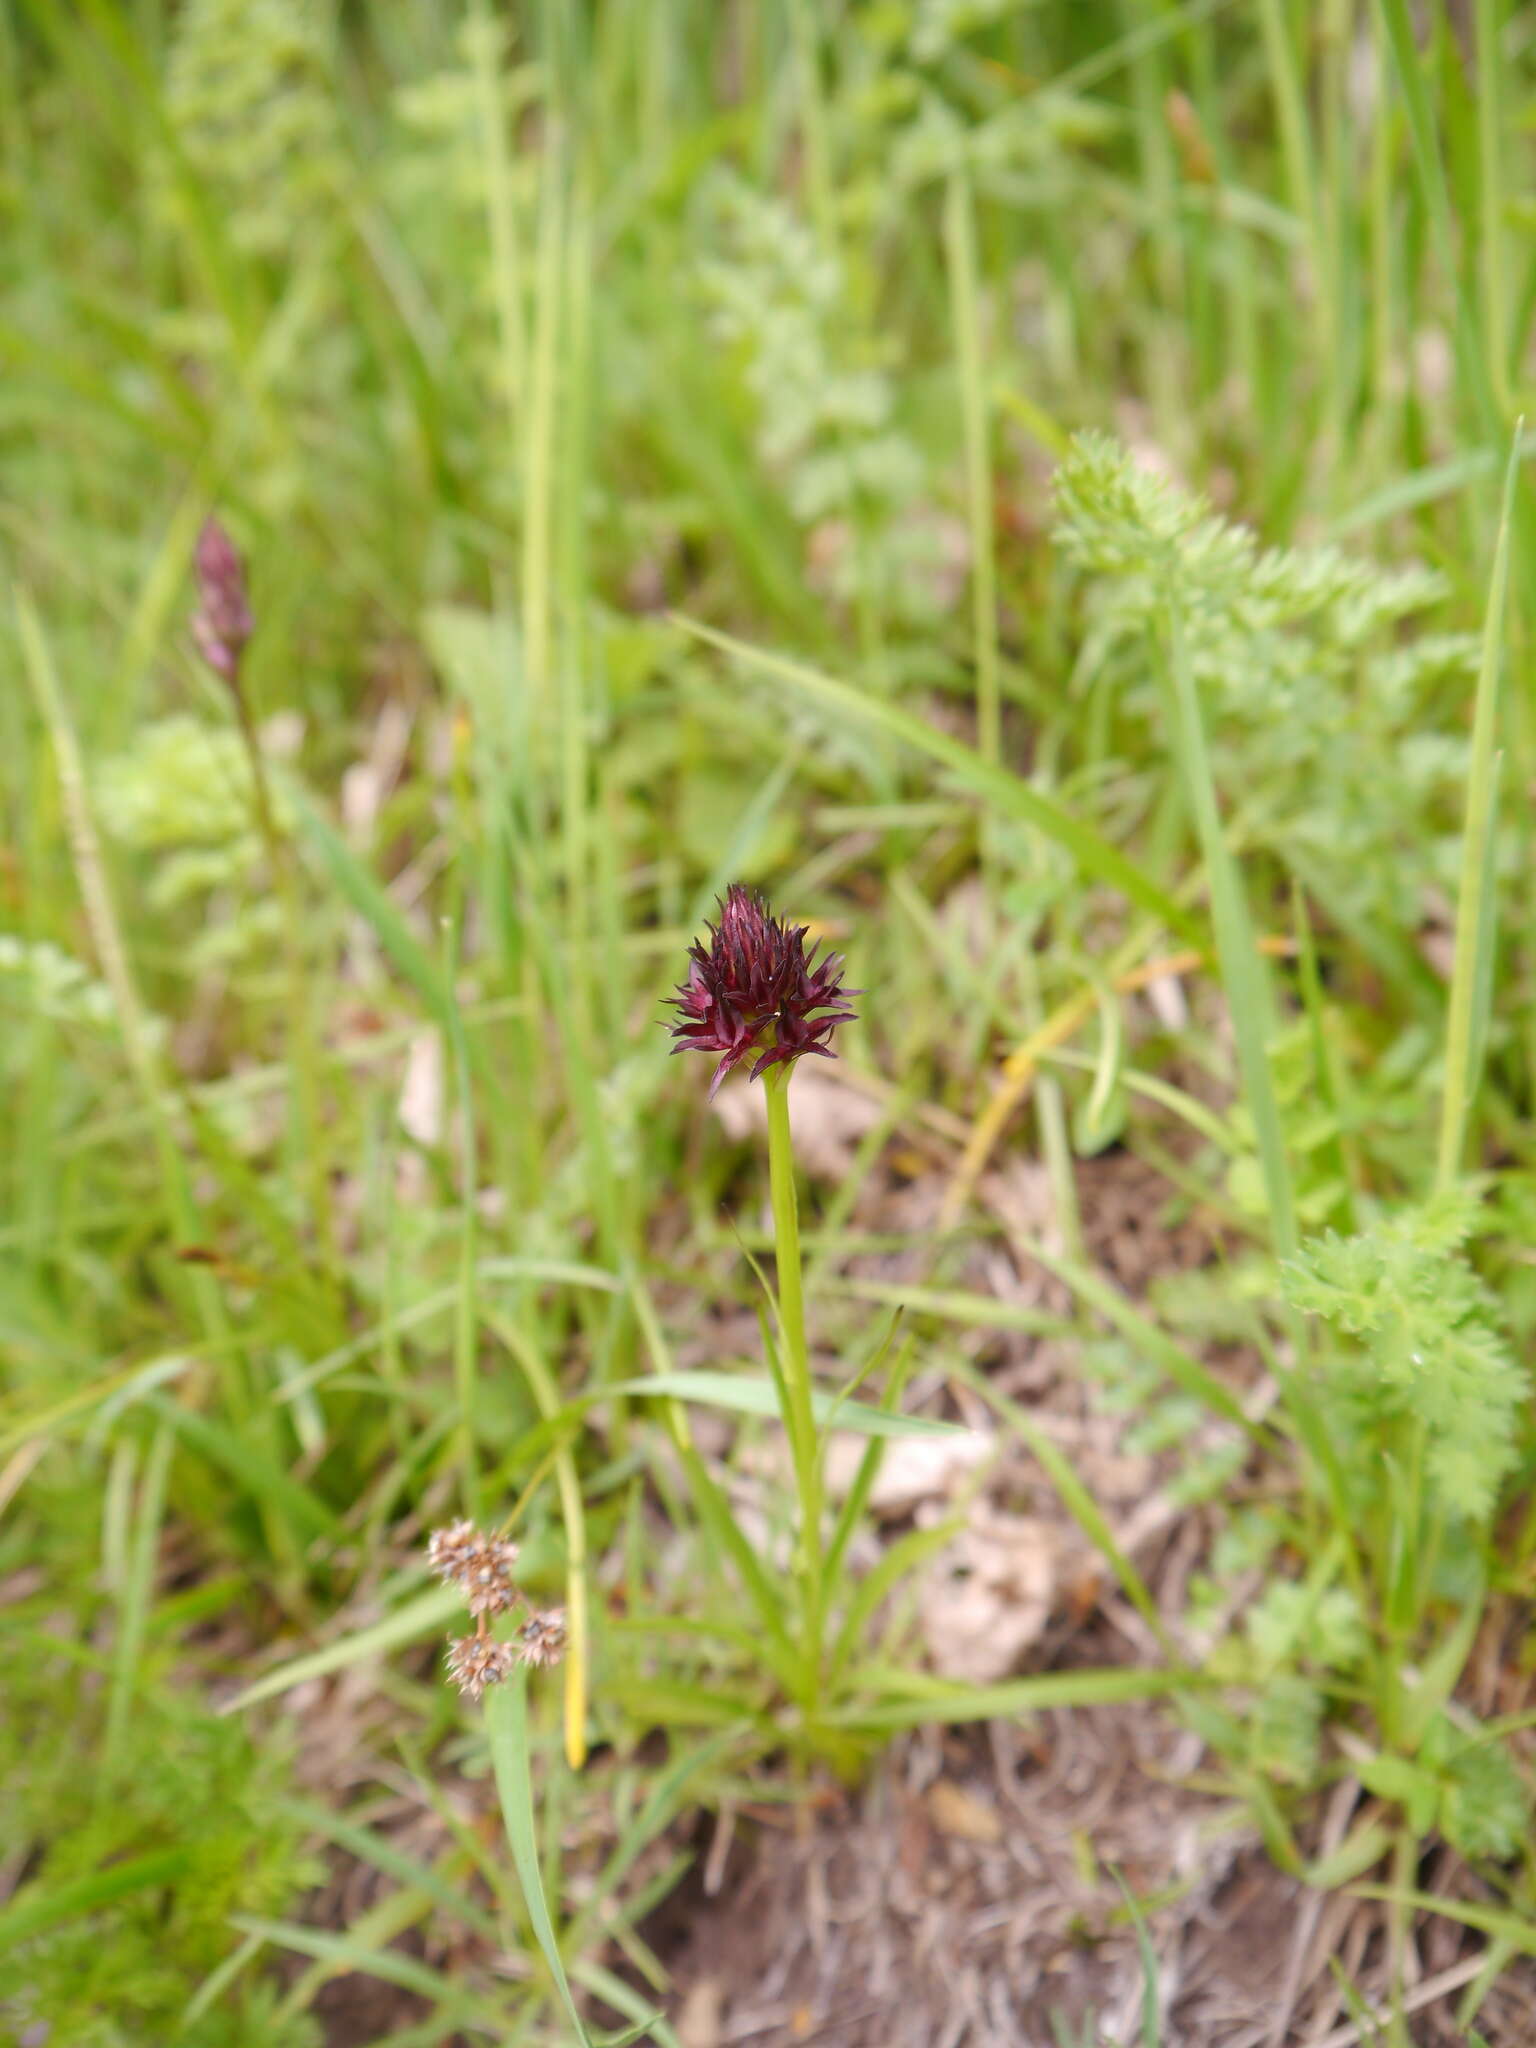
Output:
(222, 623)
(754, 992)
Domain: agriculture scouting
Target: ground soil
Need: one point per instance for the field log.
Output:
(881, 1926)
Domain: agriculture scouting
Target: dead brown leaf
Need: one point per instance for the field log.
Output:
(990, 1596)
(956, 1811)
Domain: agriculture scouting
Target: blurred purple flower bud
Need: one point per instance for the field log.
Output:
(222, 623)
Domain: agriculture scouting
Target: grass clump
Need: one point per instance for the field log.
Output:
(144, 1838)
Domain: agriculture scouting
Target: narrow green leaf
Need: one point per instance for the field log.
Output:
(997, 786)
(372, 901)
(1441, 1670)
(663, 1801)
(432, 1611)
(48, 1421)
(506, 1720)
(1075, 1498)
(30, 1913)
(730, 1540)
(938, 1701)
(1145, 1336)
(1151, 2002)
(452, 1898)
(645, 2021)
(1242, 967)
(246, 1462)
(1430, 164)
(138, 1592)
(979, 1311)
(390, 1965)
(1476, 904)
(895, 1563)
(868, 1468)
(1517, 1933)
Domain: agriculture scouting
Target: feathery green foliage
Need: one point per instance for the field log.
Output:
(1430, 1350)
(1319, 672)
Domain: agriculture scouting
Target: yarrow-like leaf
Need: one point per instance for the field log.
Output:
(1428, 1341)
(753, 991)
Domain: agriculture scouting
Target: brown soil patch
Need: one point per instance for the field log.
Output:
(887, 1924)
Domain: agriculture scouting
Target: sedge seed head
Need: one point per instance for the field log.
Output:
(541, 1640)
(474, 1662)
(480, 1566)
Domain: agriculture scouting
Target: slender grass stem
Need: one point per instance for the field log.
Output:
(1476, 908)
(546, 1397)
(960, 247)
(283, 863)
(1242, 970)
(1404, 1857)
(1488, 16)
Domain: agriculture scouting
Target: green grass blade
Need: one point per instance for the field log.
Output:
(895, 1564)
(1075, 1498)
(852, 1509)
(343, 1954)
(997, 786)
(960, 254)
(644, 2021)
(1499, 1924)
(275, 1490)
(50, 1422)
(985, 1311)
(729, 1540)
(573, 1517)
(450, 1897)
(1242, 966)
(431, 1612)
(368, 897)
(1429, 162)
(506, 1720)
(27, 1915)
(662, 1802)
(1151, 2001)
(1147, 1337)
(1476, 904)
(936, 1700)
(138, 1592)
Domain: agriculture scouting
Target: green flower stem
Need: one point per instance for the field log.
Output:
(799, 1418)
(282, 861)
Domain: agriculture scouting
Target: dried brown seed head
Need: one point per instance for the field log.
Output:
(480, 1566)
(474, 1662)
(541, 1639)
